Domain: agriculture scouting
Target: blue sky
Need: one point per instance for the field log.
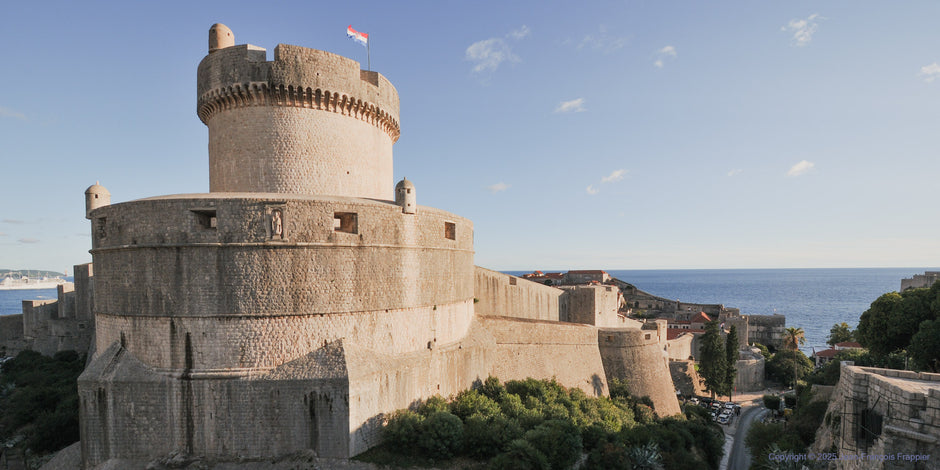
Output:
(617, 135)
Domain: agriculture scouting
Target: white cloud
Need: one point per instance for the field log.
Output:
(28, 240)
(520, 33)
(615, 175)
(662, 54)
(734, 172)
(7, 112)
(592, 190)
(489, 53)
(668, 50)
(803, 30)
(802, 167)
(602, 41)
(573, 106)
(495, 188)
(2, 234)
(12, 221)
(930, 72)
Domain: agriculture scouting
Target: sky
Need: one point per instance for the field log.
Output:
(575, 135)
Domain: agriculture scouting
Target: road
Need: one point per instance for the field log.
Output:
(739, 458)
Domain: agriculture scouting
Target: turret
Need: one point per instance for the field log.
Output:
(405, 196)
(96, 196)
(308, 122)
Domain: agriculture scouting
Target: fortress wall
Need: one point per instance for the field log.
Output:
(594, 305)
(636, 356)
(36, 316)
(680, 349)
(750, 376)
(65, 295)
(380, 383)
(510, 296)
(84, 291)
(766, 329)
(11, 335)
(133, 413)
(686, 378)
(241, 343)
(395, 260)
(256, 149)
(544, 350)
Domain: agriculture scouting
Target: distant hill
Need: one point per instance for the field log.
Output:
(29, 272)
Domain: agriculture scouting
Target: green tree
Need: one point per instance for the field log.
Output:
(787, 366)
(892, 319)
(840, 333)
(712, 360)
(793, 338)
(731, 356)
(925, 346)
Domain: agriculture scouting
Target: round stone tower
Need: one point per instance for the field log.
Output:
(318, 124)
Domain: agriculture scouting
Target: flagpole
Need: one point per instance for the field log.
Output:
(369, 53)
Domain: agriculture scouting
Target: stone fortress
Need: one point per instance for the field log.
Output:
(302, 299)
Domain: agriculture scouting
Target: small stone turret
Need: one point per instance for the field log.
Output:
(220, 37)
(96, 196)
(405, 196)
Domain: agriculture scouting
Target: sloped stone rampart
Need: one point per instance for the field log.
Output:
(638, 357)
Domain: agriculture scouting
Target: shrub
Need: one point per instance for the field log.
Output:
(492, 388)
(403, 429)
(521, 455)
(609, 456)
(433, 405)
(471, 402)
(559, 440)
(772, 402)
(484, 438)
(441, 435)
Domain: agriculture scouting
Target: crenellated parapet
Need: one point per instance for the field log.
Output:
(265, 94)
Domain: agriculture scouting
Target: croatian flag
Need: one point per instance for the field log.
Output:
(361, 38)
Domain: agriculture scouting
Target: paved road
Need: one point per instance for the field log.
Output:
(740, 458)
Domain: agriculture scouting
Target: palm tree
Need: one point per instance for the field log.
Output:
(793, 338)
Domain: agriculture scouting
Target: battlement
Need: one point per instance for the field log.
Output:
(240, 76)
(308, 122)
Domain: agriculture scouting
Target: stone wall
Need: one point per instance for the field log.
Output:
(750, 375)
(596, 305)
(920, 280)
(637, 356)
(686, 378)
(882, 412)
(11, 335)
(545, 350)
(766, 329)
(503, 295)
(680, 349)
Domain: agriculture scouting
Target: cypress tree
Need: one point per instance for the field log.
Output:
(731, 355)
(712, 359)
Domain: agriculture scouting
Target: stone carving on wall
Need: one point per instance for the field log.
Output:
(277, 224)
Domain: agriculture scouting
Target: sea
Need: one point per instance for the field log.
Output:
(811, 299)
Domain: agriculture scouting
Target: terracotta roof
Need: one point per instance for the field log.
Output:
(701, 317)
(827, 353)
(849, 344)
(673, 333)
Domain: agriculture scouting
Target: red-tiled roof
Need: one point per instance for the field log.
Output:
(673, 333)
(701, 317)
(827, 353)
(849, 344)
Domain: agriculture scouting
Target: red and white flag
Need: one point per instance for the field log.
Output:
(361, 38)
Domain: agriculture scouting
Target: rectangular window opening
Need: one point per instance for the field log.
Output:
(450, 230)
(346, 222)
(206, 218)
(512, 281)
